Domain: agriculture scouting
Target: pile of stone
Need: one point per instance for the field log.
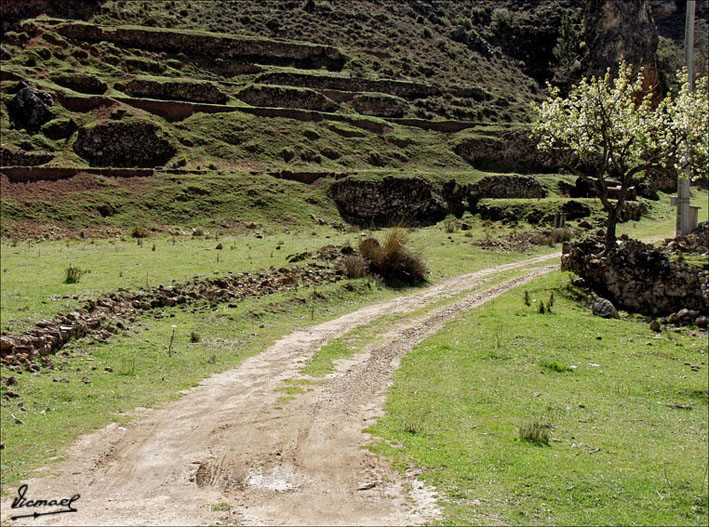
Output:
(638, 278)
(108, 314)
(696, 242)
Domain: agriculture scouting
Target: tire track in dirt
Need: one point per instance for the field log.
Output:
(228, 440)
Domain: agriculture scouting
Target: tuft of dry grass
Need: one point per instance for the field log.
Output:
(354, 266)
(394, 261)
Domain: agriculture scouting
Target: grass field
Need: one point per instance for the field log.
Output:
(607, 401)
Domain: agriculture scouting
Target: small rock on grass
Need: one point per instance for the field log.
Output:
(655, 325)
(604, 308)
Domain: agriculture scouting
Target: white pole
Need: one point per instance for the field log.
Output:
(684, 219)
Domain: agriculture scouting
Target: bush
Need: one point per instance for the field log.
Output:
(139, 232)
(195, 337)
(354, 266)
(393, 261)
(501, 17)
(73, 275)
(427, 33)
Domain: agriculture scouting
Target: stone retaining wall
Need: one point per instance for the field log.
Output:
(637, 277)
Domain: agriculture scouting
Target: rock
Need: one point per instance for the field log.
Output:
(585, 225)
(655, 325)
(701, 322)
(460, 35)
(616, 30)
(30, 107)
(579, 282)
(124, 144)
(575, 210)
(59, 128)
(605, 309)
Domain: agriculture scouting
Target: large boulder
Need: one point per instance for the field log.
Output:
(124, 144)
(389, 201)
(30, 107)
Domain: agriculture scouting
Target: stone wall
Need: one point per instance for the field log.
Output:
(261, 51)
(389, 201)
(637, 277)
(505, 187)
(511, 151)
(379, 105)
(124, 144)
(280, 97)
(174, 90)
(405, 89)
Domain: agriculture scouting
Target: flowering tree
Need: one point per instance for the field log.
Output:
(609, 128)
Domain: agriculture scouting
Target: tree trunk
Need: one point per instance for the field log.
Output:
(610, 228)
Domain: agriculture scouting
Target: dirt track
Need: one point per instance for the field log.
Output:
(228, 441)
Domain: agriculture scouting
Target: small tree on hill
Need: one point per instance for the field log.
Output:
(608, 128)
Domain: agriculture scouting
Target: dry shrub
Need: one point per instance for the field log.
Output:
(140, 232)
(393, 261)
(354, 266)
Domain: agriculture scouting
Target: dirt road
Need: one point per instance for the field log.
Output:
(227, 453)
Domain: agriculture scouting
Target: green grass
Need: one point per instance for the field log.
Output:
(617, 454)
(107, 381)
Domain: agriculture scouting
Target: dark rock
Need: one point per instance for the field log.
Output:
(59, 128)
(655, 325)
(501, 187)
(575, 210)
(637, 277)
(124, 144)
(701, 322)
(604, 308)
(30, 108)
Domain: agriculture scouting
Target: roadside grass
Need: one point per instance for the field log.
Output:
(94, 384)
(622, 447)
(33, 275)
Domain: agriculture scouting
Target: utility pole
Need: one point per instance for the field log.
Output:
(686, 215)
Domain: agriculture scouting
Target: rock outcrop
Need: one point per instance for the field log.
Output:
(124, 144)
(176, 90)
(30, 107)
(280, 97)
(637, 277)
(388, 201)
(617, 30)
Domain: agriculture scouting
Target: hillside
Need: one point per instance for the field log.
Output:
(302, 90)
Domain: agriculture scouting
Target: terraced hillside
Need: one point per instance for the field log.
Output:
(307, 91)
